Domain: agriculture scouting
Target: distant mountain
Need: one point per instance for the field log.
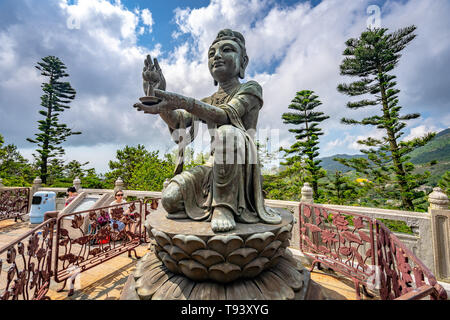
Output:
(331, 166)
(437, 149)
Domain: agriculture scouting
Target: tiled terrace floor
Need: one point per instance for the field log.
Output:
(106, 281)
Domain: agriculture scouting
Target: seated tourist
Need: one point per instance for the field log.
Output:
(126, 210)
(71, 194)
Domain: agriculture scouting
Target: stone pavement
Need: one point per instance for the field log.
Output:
(106, 281)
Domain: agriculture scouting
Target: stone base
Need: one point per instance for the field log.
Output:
(288, 280)
(189, 261)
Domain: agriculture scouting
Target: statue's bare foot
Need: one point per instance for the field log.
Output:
(222, 220)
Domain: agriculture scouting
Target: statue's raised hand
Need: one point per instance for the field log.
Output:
(152, 76)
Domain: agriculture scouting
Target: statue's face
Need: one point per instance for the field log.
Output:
(224, 60)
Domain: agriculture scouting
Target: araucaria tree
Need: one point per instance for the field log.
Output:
(371, 58)
(56, 98)
(305, 149)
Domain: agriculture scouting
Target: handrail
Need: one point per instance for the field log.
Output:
(399, 273)
(328, 238)
(84, 241)
(14, 202)
(34, 270)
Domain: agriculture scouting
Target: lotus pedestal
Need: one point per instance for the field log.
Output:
(187, 260)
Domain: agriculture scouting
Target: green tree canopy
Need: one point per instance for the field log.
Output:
(371, 58)
(307, 133)
(128, 159)
(15, 170)
(56, 98)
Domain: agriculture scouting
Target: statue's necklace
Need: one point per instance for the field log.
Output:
(222, 97)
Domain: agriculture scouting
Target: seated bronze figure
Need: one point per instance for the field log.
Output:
(228, 188)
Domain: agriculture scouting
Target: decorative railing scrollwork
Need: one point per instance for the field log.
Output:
(14, 203)
(26, 265)
(339, 240)
(346, 242)
(402, 275)
(88, 238)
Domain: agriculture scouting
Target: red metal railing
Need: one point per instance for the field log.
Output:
(28, 261)
(345, 242)
(402, 275)
(14, 203)
(86, 239)
(339, 240)
(91, 237)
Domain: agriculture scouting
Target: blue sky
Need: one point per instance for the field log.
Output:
(292, 45)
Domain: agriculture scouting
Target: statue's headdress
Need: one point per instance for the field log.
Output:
(228, 34)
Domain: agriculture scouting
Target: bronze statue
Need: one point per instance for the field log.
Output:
(229, 187)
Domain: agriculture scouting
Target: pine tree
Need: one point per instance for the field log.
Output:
(371, 58)
(56, 98)
(444, 183)
(340, 189)
(307, 136)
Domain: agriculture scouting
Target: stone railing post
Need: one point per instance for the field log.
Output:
(37, 184)
(1, 183)
(307, 193)
(118, 185)
(438, 199)
(440, 232)
(77, 184)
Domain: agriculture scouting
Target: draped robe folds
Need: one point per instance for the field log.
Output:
(232, 176)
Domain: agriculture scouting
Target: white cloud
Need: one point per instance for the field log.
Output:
(102, 58)
(420, 131)
(291, 48)
(147, 19)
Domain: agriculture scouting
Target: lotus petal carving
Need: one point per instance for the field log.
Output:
(279, 253)
(224, 244)
(193, 269)
(188, 243)
(224, 272)
(147, 285)
(270, 250)
(242, 256)
(255, 267)
(207, 257)
(208, 291)
(170, 263)
(217, 257)
(289, 274)
(283, 234)
(259, 240)
(243, 290)
(175, 252)
(161, 237)
(269, 280)
(178, 288)
(152, 262)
